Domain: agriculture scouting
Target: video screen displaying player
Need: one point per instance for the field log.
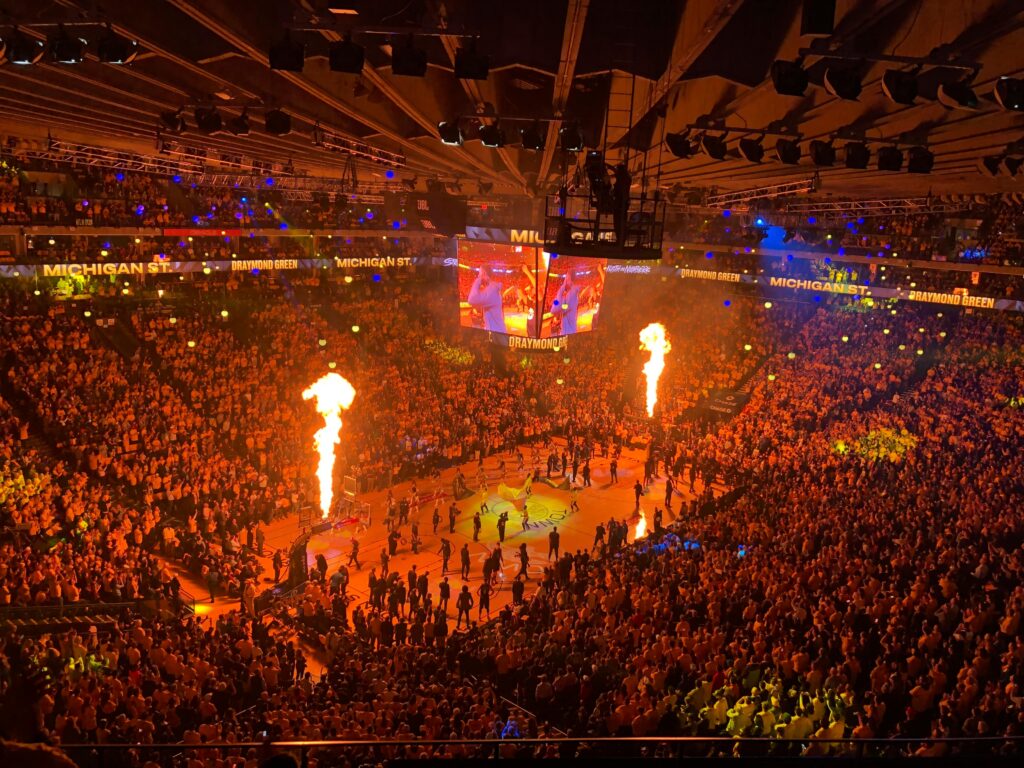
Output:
(572, 295)
(498, 287)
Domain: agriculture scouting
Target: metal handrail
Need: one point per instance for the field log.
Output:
(731, 740)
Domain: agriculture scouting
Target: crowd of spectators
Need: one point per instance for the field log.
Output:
(181, 491)
(989, 232)
(865, 580)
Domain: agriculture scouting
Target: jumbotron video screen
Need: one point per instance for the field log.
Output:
(522, 291)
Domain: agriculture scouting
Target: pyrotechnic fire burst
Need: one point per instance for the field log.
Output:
(641, 526)
(332, 393)
(654, 340)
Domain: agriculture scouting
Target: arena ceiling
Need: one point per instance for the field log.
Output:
(689, 61)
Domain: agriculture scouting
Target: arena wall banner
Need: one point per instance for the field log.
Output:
(501, 235)
(952, 299)
(550, 344)
(381, 262)
(143, 268)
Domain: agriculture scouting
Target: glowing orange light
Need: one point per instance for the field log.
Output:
(653, 339)
(641, 526)
(332, 393)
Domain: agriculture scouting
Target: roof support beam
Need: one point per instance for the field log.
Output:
(575, 18)
(229, 35)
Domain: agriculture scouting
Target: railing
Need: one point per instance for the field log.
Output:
(65, 610)
(666, 747)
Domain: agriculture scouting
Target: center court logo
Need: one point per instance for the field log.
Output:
(543, 513)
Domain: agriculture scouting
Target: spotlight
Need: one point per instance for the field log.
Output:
(492, 136)
(958, 96)
(752, 150)
(679, 144)
(900, 87)
(408, 60)
(990, 166)
(288, 55)
(346, 56)
(277, 123)
(65, 49)
(570, 137)
(1012, 165)
(822, 153)
(239, 126)
(890, 159)
(470, 65)
(788, 151)
(920, 160)
(24, 50)
(858, 155)
(174, 121)
(714, 146)
(789, 78)
(1010, 93)
(532, 137)
(208, 119)
(450, 133)
(114, 49)
(843, 82)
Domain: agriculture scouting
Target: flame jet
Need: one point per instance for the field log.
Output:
(332, 394)
(653, 339)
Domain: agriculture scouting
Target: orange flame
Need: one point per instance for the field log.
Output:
(641, 526)
(332, 394)
(654, 340)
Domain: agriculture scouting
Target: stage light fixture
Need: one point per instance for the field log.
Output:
(679, 144)
(532, 137)
(890, 159)
(345, 56)
(789, 235)
(900, 87)
(788, 151)
(174, 120)
(858, 155)
(239, 125)
(65, 48)
(990, 166)
(752, 149)
(111, 48)
(570, 137)
(23, 50)
(822, 153)
(277, 122)
(1012, 165)
(208, 119)
(492, 136)
(958, 95)
(407, 60)
(789, 77)
(1009, 93)
(920, 160)
(843, 82)
(714, 147)
(470, 64)
(288, 55)
(450, 133)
